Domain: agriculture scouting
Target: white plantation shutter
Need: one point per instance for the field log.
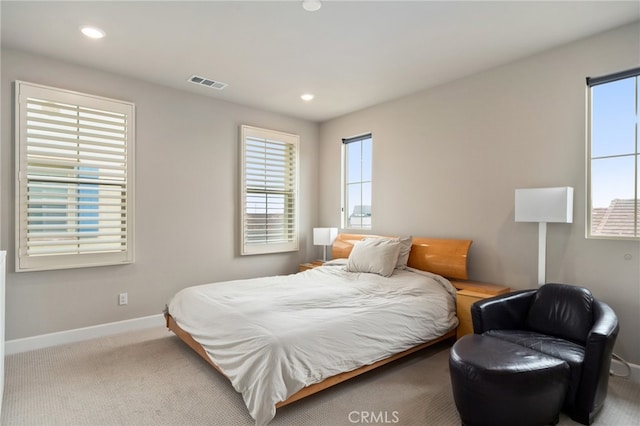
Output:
(269, 191)
(75, 179)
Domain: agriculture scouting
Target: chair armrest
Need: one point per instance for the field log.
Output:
(505, 311)
(605, 323)
(597, 359)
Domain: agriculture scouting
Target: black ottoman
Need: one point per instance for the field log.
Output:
(501, 383)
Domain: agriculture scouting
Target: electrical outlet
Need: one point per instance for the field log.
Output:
(123, 299)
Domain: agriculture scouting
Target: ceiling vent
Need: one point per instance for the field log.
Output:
(207, 82)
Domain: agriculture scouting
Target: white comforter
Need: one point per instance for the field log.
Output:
(273, 336)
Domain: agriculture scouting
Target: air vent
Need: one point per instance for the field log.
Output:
(207, 82)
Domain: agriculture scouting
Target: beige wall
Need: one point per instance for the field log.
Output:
(447, 162)
(186, 202)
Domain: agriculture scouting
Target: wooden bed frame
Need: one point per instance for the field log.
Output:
(441, 256)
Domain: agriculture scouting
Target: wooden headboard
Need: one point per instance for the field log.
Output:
(439, 256)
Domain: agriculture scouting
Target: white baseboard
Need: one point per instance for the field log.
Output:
(76, 335)
(619, 368)
(635, 373)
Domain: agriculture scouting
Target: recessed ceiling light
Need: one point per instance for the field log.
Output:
(92, 32)
(307, 97)
(311, 5)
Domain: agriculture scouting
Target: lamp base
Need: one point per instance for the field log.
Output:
(542, 252)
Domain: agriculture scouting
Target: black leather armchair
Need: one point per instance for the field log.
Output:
(563, 321)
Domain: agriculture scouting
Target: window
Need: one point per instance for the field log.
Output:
(613, 156)
(74, 180)
(269, 166)
(356, 207)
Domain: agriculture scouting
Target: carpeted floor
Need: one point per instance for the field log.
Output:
(151, 378)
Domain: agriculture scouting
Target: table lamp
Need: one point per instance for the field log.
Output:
(324, 237)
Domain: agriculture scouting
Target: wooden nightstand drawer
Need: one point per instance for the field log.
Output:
(466, 298)
(468, 293)
(310, 265)
(306, 266)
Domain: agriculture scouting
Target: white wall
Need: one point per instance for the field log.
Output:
(186, 202)
(447, 162)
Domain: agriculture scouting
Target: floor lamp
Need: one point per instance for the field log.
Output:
(324, 237)
(544, 205)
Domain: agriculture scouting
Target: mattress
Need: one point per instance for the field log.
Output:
(273, 336)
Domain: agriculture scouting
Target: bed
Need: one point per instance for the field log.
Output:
(280, 339)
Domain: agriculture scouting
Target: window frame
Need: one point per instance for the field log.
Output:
(591, 83)
(345, 181)
(118, 252)
(289, 191)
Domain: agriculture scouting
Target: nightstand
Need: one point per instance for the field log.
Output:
(310, 265)
(468, 293)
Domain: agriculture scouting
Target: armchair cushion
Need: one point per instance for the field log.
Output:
(571, 353)
(563, 311)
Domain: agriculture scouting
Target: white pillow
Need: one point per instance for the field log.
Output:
(374, 255)
(405, 249)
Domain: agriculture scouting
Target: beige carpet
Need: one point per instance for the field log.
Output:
(151, 378)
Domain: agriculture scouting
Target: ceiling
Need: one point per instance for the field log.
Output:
(350, 54)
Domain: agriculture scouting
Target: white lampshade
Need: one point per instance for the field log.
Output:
(324, 236)
(544, 205)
